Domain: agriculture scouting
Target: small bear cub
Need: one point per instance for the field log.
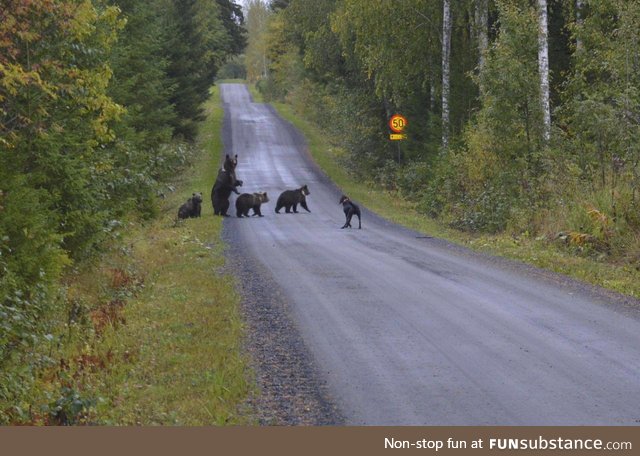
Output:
(192, 208)
(291, 198)
(248, 201)
(350, 209)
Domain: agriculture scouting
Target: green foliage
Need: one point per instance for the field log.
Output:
(70, 408)
(234, 68)
(140, 80)
(347, 65)
(232, 18)
(197, 46)
(495, 170)
(258, 15)
(89, 94)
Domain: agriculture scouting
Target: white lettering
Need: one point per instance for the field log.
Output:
(393, 443)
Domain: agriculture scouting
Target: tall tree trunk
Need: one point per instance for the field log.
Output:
(482, 29)
(446, 50)
(579, 21)
(543, 67)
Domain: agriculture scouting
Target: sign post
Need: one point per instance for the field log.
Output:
(397, 124)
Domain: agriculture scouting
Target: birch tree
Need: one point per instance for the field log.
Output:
(579, 21)
(543, 67)
(482, 29)
(256, 53)
(446, 51)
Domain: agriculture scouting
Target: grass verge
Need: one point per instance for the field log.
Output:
(539, 252)
(154, 334)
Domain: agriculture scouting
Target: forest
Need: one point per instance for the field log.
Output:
(523, 120)
(523, 116)
(99, 103)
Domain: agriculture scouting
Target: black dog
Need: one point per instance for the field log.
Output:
(350, 209)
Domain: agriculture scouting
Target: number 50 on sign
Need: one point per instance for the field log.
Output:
(397, 123)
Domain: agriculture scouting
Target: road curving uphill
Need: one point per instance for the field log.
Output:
(402, 329)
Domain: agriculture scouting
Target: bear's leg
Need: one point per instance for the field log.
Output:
(295, 208)
(287, 209)
(256, 211)
(303, 203)
(224, 206)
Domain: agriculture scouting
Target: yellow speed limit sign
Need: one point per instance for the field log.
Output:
(397, 123)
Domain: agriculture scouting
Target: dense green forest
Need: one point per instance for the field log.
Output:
(99, 102)
(523, 116)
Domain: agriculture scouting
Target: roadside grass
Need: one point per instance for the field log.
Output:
(540, 252)
(184, 330)
(165, 331)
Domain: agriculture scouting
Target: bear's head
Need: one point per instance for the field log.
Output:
(230, 163)
(197, 197)
(305, 190)
(262, 197)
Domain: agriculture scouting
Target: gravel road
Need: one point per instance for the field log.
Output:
(384, 326)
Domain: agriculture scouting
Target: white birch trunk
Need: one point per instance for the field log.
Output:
(579, 21)
(446, 50)
(543, 67)
(482, 28)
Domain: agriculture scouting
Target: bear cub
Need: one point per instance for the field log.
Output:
(248, 201)
(192, 208)
(291, 198)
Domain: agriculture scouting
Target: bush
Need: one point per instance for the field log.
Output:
(31, 261)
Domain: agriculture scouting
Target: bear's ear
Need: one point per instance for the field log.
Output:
(227, 156)
(193, 194)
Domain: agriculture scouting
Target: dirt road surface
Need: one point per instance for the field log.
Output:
(402, 329)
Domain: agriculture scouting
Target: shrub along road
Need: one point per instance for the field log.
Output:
(407, 329)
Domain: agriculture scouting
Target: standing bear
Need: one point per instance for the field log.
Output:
(225, 183)
(291, 198)
(248, 201)
(192, 208)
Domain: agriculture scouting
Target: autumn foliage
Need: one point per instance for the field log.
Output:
(90, 126)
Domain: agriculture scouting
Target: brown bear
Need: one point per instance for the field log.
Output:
(192, 208)
(248, 201)
(226, 183)
(291, 198)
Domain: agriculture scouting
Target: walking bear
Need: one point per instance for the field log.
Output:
(291, 198)
(248, 201)
(226, 183)
(192, 208)
(350, 209)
